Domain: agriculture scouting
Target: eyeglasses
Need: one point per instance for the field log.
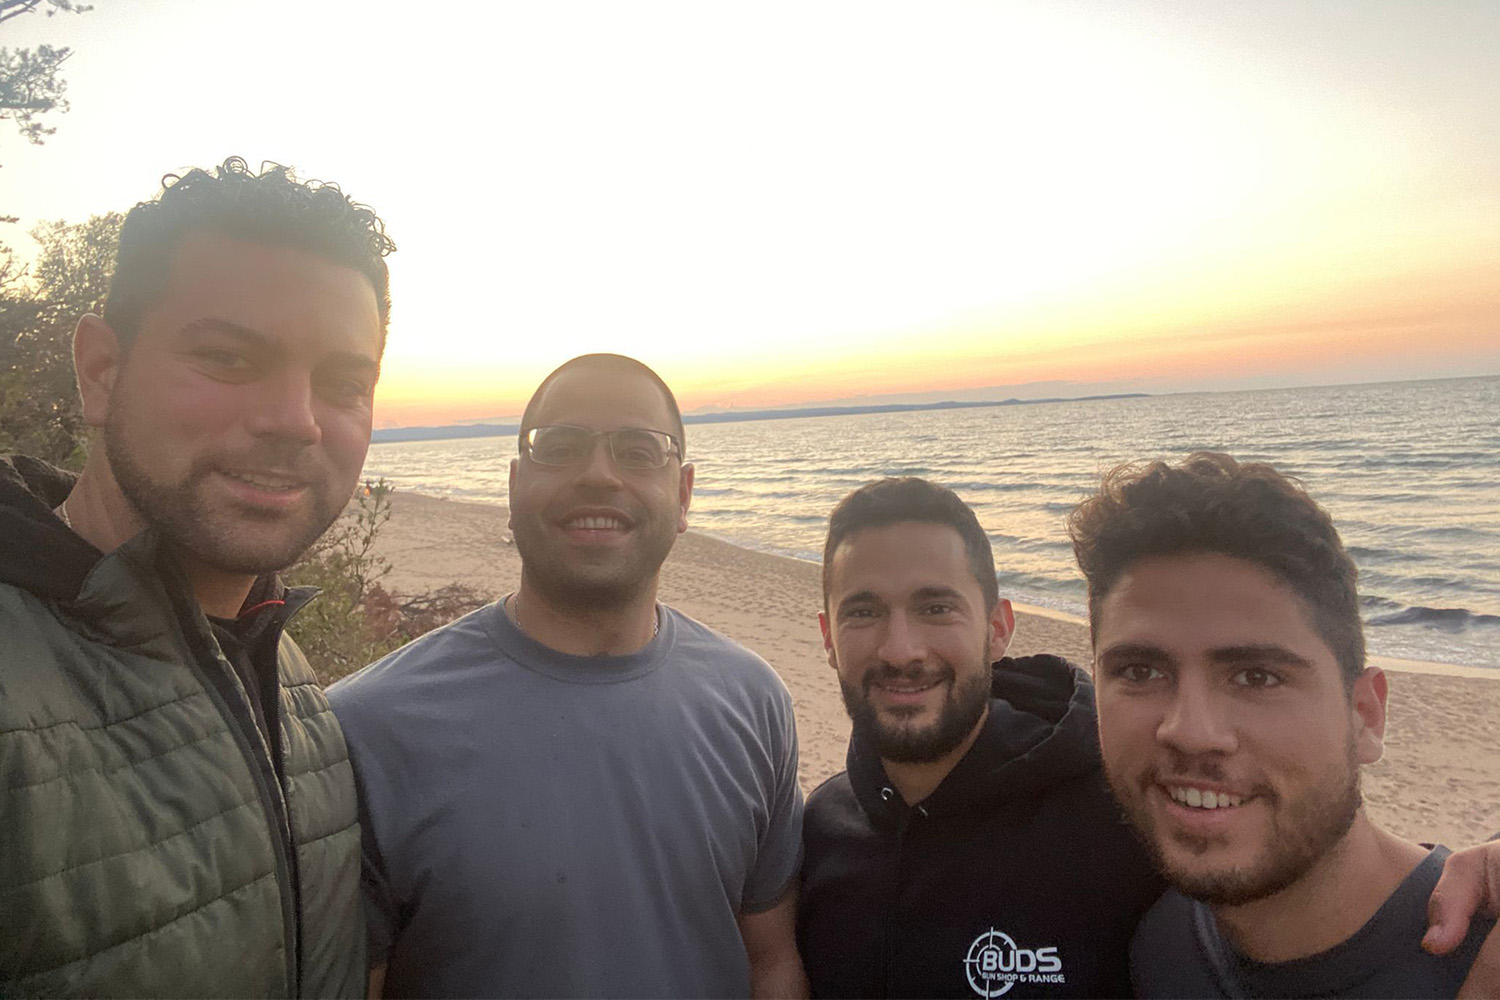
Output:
(634, 448)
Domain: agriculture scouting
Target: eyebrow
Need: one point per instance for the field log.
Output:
(210, 325)
(1267, 652)
(928, 593)
(859, 597)
(1135, 651)
(920, 594)
(207, 325)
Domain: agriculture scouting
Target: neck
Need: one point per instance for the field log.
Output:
(101, 515)
(917, 780)
(1332, 901)
(584, 630)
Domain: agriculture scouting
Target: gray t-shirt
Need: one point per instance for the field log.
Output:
(539, 824)
(1179, 952)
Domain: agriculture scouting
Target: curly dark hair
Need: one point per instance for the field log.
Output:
(271, 207)
(885, 502)
(1211, 503)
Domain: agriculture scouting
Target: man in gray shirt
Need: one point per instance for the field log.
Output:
(577, 791)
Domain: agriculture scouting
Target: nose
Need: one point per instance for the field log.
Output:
(902, 642)
(1197, 721)
(599, 467)
(283, 407)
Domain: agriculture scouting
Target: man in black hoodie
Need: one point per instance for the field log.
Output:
(972, 847)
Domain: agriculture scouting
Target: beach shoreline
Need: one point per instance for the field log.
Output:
(1438, 782)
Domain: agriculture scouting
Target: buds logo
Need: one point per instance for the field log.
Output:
(995, 963)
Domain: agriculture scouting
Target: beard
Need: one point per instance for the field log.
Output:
(1303, 831)
(590, 581)
(909, 744)
(217, 534)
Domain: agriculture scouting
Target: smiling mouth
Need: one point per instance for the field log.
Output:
(266, 481)
(594, 523)
(907, 689)
(1197, 798)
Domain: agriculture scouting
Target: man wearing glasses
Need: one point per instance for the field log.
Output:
(577, 791)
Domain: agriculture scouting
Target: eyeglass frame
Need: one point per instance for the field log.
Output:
(524, 444)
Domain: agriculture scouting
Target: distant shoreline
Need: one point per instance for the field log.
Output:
(388, 435)
(392, 435)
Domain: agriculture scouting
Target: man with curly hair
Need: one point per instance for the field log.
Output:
(1236, 709)
(179, 810)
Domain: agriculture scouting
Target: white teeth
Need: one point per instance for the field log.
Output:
(1199, 799)
(595, 523)
(263, 483)
(898, 689)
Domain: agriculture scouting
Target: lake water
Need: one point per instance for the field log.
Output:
(1410, 472)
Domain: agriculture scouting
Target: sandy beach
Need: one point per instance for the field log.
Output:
(1438, 782)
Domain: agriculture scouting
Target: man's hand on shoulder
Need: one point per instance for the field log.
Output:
(1470, 884)
(770, 938)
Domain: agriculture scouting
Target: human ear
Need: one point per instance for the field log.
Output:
(684, 496)
(97, 357)
(1368, 704)
(1002, 627)
(510, 496)
(826, 628)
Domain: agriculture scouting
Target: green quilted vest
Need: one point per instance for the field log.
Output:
(146, 845)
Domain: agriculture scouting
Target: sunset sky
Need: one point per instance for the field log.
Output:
(787, 202)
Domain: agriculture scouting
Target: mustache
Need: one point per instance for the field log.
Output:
(295, 462)
(1182, 768)
(909, 674)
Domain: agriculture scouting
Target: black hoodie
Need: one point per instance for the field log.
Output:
(1015, 877)
(37, 551)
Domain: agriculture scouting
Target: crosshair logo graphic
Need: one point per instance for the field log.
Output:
(995, 963)
(984, 960)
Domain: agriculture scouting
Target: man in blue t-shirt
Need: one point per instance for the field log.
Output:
(577, 791)
(1235, 711)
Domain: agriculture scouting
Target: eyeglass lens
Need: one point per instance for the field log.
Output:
(631, 447)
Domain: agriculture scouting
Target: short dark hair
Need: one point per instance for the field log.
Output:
(1211, 503)
(619, 362)
(271, 207)
(898, 500)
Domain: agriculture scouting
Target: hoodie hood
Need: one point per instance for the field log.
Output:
(1041, 731)
(38, 553)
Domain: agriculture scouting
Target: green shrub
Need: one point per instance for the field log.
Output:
(355, 619)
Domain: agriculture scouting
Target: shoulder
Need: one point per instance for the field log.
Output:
(1165, 957)
(1406, 913)
(1170, 920)
(831, 805)
(419, 664)
(716, 657)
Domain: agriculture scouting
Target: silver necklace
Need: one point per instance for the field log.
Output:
(512, 606)
(61, 510)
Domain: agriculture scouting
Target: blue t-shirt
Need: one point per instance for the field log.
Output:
(1179, 952)
(539, 824)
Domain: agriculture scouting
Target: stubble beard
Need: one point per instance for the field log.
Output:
(1301, 834)
(614, 582)
(904, 744)
(245, 542)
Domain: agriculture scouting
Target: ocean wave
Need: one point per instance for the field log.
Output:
(1452, 620)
